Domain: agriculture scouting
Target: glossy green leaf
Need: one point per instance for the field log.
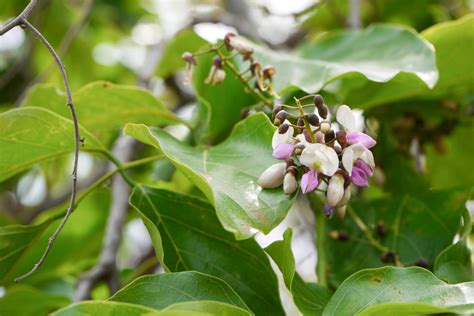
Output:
(171, 60)
(228, 173)
(310, 298)
(406, 309)
(454, 265)
(14, 241)
(418, 228)
(105, 308)
(162, 290)
(389, 284)
(452, 60)
(103, 108)
(379, 53)
(31, 135)
(211, 307)
(219, 105)
(23, 300)
(188, 236)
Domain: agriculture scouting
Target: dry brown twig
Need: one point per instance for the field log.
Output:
(22, 21)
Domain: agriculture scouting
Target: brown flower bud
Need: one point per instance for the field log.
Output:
(323, 111)
(329, 136)
(189, 58)
(341, 138)
(318, 101)
(300, 122)
(280, 118)
(312, 119)
(283, 128)
(269, 72)
(217, 62)
(227, 40)
(276, 110)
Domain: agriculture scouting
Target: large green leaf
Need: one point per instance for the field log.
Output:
(228, 173)
(370, 287)
(378, 53)
(453, 61)
(310, 298)
(31, 135)
(106, 308)
(162, 290)
(219, 106)
(188, 236)
(418, 228)
(38, 303)
(211, 307)
(103, 108)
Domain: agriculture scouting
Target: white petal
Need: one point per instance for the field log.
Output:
(347, 159)
(286, 138)
(335, 190)
(320, 158)
(360, 152)
(346, 118)
(302, 139)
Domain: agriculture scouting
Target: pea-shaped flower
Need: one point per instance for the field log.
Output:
(346, 118)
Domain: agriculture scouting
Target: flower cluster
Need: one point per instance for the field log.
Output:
(261, 76)
(315, 153)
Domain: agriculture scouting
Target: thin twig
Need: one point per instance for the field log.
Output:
(365, 230)
(21, 20)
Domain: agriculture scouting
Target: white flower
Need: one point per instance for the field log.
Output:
(354, 152)
(273, 176)
(346, 118)
(289, 183)
(321, 158)
(286, 138)
(335, 190)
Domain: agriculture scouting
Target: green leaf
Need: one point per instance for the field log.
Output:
(103, 108)
(452, 60)
(171, 60)
(406, 309)
(188, 236)
(23, 300)
(454, 265)
(379, 53)
(418, 228)
(31, 135)
(220, 105)
(211, 307)
(105, 308)
(228, 173)
(310, 298)
(370, 287)
(14, 241)
(162, 290)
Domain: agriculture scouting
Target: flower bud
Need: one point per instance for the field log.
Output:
(329, 136)
(216, 76)
(300, 122)
(313, 119)
(298, 149)
(273, 176)
(388, 257)
(341, 138)
(325, 127)
(328, 210)
(319, 137)
(289, 183)
(275, 110)
(280, 118)
(318, 101)
(227, 38)
(189, 58)
(283, 128)
(255, 68)
(269, 72)
(217, 62)
(381, 229)
(323, 111)
(240, 44)
(346, 197)
(335, 190)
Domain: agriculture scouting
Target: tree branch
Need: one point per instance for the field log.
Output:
(21, 20)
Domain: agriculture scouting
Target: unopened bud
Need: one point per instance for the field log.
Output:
(318, 101)
(388, 257)
(280, 118)
(329, 136)
(189, 58)
(298, 149)
(325, 127)
(227, 38)
(346, 197)
(341, 138)
(217, 62)
(269, 72)
(323, 111)
(255, 67)
(275, 110)
(335, 190)
(300, 122)
(313, 119)
(273, 176)
(283, 128)
(319, 137)
(289, 183)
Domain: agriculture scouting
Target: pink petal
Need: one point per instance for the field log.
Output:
(309, 181)
(358, 137)
(359, 177)
(364, 166)
(307, 136)
(328, 210)
(283, 151)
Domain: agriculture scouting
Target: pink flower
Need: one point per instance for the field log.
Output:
(283, 151)
(358, 137)
(309, 181)
(360, 172)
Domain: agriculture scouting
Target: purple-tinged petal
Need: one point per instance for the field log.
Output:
(283, 151)
(358, 137)
(364, 166)
(328, 211)
(307, 136)
(359, 177)
(309, 181)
